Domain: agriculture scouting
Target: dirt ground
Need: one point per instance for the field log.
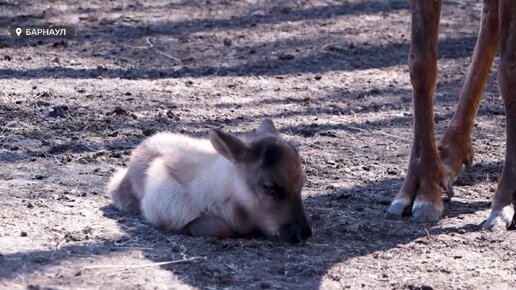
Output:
(331, 74)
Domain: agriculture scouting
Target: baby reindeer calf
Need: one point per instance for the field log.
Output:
(223, 187)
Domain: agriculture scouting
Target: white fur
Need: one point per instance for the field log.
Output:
(426, 211)
(115, 180)
(500, 219)
(398, 206)
(419, 204)
(177, 178)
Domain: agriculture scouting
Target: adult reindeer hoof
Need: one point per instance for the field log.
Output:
(422, 208)
(500, 219)
(426, 211)
(421, 194)
(399, 207)
(421, 211)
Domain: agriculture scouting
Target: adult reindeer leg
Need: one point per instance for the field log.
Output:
(455, 147)
(502, 209)
(426, 175)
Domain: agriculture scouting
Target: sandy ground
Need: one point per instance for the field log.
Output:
(333, 77)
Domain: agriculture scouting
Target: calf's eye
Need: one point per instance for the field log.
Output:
(272, 190)
(268, 187)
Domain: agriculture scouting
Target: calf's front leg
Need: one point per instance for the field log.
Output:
(209, 226)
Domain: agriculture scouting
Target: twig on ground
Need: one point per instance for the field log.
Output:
(151, 46)
(390, 135)
(57, 160)
(326, 46)
(141, 266)
(377, 132)
(358, 129)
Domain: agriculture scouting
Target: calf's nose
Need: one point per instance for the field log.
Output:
(294, 233)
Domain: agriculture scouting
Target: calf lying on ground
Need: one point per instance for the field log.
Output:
(223, 187)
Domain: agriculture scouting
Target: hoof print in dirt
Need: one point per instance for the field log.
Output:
(286, 56)
(227, 42)
(306, 131)
(148, 131)
(59, 111)
(117, 111)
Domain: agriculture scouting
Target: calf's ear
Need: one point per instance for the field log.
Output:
(267, 127)
(229, 146)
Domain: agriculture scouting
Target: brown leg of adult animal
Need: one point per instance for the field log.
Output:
(426, 175)
(456, 146)
(502, 209)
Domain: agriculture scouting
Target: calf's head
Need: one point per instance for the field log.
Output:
(272, 174)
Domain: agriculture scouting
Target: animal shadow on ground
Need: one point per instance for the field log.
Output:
(343, 229)
(348, 223)
(334, 57)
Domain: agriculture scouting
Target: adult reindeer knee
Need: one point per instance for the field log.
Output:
(433, 168)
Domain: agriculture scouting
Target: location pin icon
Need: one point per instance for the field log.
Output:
(18, 31)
